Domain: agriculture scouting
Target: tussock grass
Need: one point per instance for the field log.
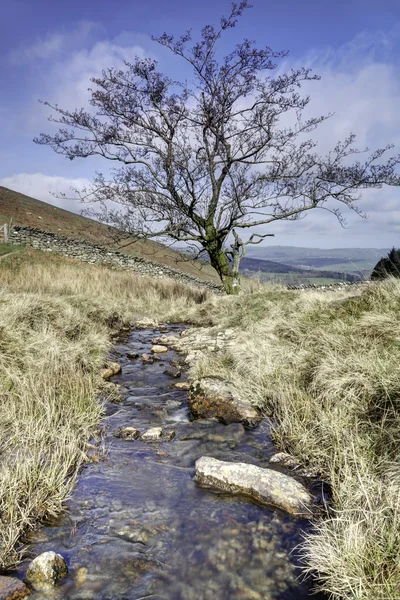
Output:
(55, 320)
(327, 368)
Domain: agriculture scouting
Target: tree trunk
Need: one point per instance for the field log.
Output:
(229, 278)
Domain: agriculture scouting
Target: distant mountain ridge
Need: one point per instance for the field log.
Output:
(348, 260)
(268, 266)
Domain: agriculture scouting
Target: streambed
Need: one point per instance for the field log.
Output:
(137, 525)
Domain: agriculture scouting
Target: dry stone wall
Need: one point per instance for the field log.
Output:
(92, 253)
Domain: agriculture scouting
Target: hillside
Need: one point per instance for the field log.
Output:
(27, 211)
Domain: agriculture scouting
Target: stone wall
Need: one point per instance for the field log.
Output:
(340, 285)
(91, 253)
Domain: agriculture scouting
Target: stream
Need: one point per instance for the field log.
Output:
(138, 527)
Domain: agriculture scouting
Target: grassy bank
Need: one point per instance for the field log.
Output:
(327, 368)
(55, 322)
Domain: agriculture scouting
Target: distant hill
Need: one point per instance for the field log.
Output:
(27, 211)
(251, 265)
(348, 260)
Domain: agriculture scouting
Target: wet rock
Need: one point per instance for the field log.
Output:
(159, 349)
(288, 461)
(81, 575)
(113, 368)
(173, 403)
(182, 385)
(127, 433)
(152, 435)
(221, 433)
(132, 355)
(213, 397)
(157, 434)
(12, 588)
(282, 458)
(47, 568)
(264, 485)
(146, 323)
(173, 372)
(147, 358)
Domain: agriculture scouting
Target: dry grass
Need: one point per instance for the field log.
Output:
(55, 322)
(327, 368)
(27, 211)
(324, 365)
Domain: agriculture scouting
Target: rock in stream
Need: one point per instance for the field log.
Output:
(213, 397)
(264, 485)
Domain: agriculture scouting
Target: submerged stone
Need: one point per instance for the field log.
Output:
(264, 485)
(147, 358)
(12, 588)
(173, 372)
(47, 568)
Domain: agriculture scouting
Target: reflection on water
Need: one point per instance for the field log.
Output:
(137, 525)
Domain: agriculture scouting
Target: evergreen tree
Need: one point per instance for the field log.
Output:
(388, 266)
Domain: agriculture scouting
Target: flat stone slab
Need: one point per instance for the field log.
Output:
(159, 349)
(12, 588)
(213, 397)
(264, 485)
(152, 435)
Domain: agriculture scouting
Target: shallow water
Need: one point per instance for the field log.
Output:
(137, 525)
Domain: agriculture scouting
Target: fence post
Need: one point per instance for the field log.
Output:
(6, 233)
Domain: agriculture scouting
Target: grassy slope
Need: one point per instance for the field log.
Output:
(33, 213)
(328, 370)
(55, 321)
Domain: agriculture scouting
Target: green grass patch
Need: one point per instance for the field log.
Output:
(8, 248)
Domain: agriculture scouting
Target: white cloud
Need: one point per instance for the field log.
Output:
(360, 84)
(46, 188)
(67, 81)
(51, 45)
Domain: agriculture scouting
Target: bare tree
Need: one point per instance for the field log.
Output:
(198, 163)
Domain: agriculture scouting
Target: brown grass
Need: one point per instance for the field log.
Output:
(34, 213)
(55, 321)
(327, 369)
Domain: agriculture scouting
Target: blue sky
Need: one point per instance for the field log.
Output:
(49, 50)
